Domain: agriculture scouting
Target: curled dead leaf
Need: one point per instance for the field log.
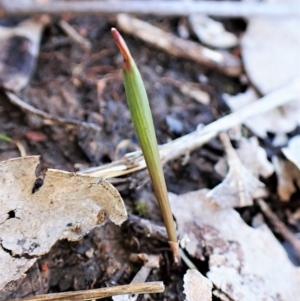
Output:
(19, 51)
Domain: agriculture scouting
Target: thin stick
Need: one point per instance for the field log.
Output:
(224, 61)
(74, 35)
(280, 226)
(196, 139)
(163, 8)
(14, 99)
(100, 293)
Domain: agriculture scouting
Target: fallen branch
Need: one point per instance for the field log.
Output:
(14, 99)
(132, 162)
(162, 8)
(100, 293)
(223, 61)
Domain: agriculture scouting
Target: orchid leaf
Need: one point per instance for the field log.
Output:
(143, 123)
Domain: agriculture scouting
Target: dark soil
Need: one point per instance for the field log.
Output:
(87, 86)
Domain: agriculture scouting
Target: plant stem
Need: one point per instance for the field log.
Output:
(143, 123)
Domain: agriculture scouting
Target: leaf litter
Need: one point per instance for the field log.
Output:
(67, 206)
(196, 286)
(240, 185)
(281, 120)
(241, 258)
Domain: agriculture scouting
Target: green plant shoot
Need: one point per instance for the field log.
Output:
(143, 123)
(5, 138)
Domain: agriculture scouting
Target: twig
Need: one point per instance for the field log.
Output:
(74, 35)
(163, 8)
(134, 161)
(196, 139)
(136, 288)
(224, 61)
(150, 262)
(280, 226)
(21, 148)
(14, 99)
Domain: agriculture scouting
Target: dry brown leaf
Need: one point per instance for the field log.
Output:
(24, 41)
(282, 120)
(196, 286)
(245, 264)
(67, 206)
(292, 151)
(288, 175)
(240, 186)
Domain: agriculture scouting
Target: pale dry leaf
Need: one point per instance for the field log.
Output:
(196, 286)
(19, 51)
(221, 167)
(245, 264)
(240, 186)
(288, 176)
(212, 32)
(252, 156)
(270, 49)
(67, 206)
(279, 121)
(292, 151)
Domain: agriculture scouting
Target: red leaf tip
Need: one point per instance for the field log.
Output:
(122, 46)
